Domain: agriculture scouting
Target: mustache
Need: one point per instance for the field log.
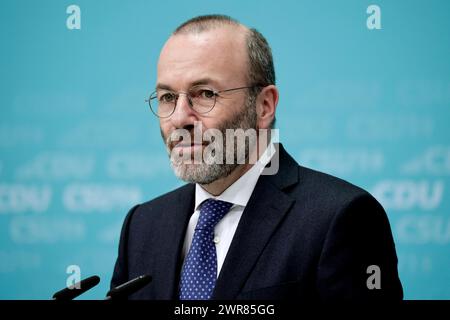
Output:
(182, 143)
(175, 140)
(243, 120)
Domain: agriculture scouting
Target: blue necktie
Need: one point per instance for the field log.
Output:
(199, 273)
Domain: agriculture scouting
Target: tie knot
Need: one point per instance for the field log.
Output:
(211, 212)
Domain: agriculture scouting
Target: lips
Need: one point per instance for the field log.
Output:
(177, 144)
(183, 145)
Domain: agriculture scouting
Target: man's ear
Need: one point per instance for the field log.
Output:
(266, 105)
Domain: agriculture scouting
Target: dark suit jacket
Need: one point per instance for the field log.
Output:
(303, 235)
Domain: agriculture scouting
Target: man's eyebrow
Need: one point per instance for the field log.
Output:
(163, 86)
(202, 81)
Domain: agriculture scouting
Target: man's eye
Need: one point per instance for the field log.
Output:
(204, 94)
(167, 97)
(208, 94)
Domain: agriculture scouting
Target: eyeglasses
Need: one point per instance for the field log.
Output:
(202, 99)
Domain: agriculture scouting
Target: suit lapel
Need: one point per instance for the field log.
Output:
(166, 262)
(265, 210)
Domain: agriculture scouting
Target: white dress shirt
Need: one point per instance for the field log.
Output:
(238, 193)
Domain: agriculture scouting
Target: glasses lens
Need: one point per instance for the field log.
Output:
(162, 103)
(202, 98)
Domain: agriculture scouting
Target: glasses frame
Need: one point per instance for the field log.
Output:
(177, 95)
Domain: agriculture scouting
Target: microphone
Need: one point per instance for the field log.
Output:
(83, 285)
(124, 290)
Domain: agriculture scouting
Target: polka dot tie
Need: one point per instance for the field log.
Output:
(199, 273)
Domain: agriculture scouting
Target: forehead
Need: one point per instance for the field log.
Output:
(219, 55)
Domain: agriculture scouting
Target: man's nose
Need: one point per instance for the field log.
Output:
(183, 114)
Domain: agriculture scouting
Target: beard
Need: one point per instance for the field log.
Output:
(205, 172)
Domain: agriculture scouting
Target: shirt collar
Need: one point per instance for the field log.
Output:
(240, 191)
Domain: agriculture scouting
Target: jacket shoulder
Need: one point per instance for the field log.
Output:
(329, 188)
(321, 198)
(170, 196)
(157, 205)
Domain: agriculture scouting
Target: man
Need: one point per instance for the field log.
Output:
(232, 232)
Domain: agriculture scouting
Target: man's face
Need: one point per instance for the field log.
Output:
(218, 59)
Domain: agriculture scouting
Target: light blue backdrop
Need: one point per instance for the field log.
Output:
(79, 147)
